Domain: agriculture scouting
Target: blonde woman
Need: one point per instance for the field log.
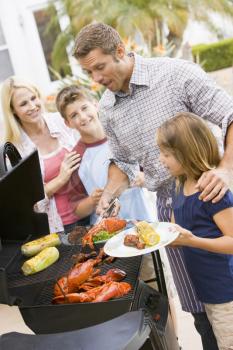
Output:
(28, 126)
(189, 150)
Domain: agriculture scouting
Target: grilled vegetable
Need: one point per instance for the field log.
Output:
(41, 261)
(36, 246)
(147, 234)
(103, 236)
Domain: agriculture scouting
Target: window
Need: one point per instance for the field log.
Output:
(48, 38)
(6, 68)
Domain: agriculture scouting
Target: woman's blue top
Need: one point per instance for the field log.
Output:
(211, 273)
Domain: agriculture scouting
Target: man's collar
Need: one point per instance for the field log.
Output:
(140, 75)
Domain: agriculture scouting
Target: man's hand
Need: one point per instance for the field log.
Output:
(103, 204)
(214, 184)
(139, 180)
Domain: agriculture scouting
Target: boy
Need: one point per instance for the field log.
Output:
(80, 113)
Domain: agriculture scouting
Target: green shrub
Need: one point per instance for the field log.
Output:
(214, 56)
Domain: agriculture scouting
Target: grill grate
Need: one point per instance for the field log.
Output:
(16, 277)
(43, 282)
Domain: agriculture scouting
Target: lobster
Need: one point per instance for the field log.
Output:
(112, 275)
(110, 225)
(75, 277)
(105, 292)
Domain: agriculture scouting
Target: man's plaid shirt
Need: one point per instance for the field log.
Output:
(159, 88)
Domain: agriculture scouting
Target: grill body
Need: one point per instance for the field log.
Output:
(33, 294)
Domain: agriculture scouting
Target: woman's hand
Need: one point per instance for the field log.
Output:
(184, 238)
(96, 195)
(70, 163)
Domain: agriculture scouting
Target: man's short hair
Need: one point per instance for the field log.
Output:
(96, 35)
(68, 95)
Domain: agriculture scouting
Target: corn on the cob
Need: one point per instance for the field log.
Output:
(36, 246)
(147, 234)
(41, 261)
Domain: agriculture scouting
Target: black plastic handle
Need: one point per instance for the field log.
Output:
(9, 150)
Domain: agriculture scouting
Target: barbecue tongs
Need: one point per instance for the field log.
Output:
(108, 211)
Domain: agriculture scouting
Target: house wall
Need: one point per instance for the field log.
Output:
(22, 40)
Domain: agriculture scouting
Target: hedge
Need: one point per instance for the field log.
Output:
(214, 56)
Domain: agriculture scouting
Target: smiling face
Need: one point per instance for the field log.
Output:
(82, 115)
(26, 105)
(171, 163)
(113, 72)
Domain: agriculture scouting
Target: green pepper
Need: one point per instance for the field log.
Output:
(102, 236)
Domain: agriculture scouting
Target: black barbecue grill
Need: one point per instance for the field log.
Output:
(33, 294)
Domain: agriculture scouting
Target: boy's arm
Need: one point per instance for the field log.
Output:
(87, 205)
(224, 245)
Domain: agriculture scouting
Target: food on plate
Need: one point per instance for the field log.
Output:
(147, 234)
(111, 225)
(41, 261)
(133, 241)
(144, 236)
(36, 246)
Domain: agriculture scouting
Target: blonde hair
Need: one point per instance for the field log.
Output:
(11, 122)
(191, 142)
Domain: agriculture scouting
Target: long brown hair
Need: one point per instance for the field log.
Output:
(191, 142)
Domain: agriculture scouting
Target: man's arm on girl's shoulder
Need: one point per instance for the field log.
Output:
(216, 182)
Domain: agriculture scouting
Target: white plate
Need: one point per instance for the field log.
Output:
(115, 245)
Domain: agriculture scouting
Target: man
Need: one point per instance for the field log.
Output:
(141, 94)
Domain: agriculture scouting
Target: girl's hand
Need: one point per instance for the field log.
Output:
(184, 237)
(96, 195)
(70, 163)
(139, 180)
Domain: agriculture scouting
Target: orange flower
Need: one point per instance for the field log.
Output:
(50, 98)
(95, 86)
(160, 49)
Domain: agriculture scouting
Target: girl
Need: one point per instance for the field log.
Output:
(189, 150)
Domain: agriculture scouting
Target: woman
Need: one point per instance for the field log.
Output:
(28, 126)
